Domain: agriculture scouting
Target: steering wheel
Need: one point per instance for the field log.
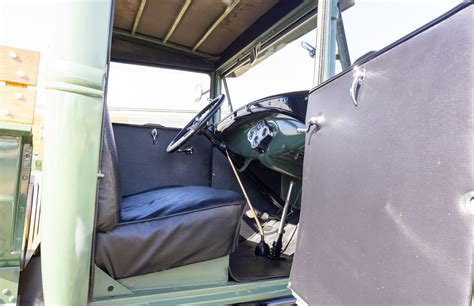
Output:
(196, 124)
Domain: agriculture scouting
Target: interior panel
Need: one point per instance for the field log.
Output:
(144, 165)
(385, 218)
(129, 52)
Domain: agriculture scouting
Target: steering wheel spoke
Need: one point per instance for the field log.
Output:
(196, 124)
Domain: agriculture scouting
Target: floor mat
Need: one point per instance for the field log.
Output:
(245, 266)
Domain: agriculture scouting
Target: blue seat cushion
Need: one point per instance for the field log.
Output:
(170, 227)
(173, 200)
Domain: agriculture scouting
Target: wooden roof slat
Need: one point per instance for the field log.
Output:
(228, 9)
(181, 13)
(138, 16)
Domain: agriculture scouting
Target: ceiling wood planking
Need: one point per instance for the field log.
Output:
(200, 15)
(177, 20)
(208, 26)
(138, 16)
(236, 23)
(216, 23)
(158, 17)
(125, 12)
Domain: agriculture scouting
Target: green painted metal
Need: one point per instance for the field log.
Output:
(10, 159)
(158, 43)
(229, 293)
(214, 91)
(307, 6)
(70, 167)
(88, 80)
(9, 285)
(72, 132)
(15, 166)
(285, 151)
(215, 271)
(325, 61)
(106, 286)
(22, 196)
(15, 129)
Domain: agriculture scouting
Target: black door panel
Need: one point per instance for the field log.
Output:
(145, 164)
(383, 217)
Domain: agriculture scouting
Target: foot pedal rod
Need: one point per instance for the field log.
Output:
(262, 249)
(278, 243)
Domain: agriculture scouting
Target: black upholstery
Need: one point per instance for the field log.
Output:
(162, 228)
(109, 197)
(168, 201)
(178, 232)
(141, 174)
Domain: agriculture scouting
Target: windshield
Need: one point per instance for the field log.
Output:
(289, 69)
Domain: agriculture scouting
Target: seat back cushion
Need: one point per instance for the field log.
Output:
(110, 195)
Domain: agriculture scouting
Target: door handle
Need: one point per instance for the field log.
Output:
(315, 120)
(359, 76)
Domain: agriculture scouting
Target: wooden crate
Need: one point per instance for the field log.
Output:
(17, 104)
(18, 65)
(18, 72)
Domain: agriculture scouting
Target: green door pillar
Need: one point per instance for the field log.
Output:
(73, 120)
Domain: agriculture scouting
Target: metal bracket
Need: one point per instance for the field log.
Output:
(187, 150)
(315, 120)
(154, 134)
(468, 202)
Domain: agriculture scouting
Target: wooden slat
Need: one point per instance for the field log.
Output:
(17, 104)
(18, 65)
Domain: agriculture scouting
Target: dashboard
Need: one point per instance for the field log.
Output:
(266, 130)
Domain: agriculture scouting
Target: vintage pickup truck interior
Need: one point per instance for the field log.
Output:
(217, 201)
(350, 191)
(180, 221)
(180, 202)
